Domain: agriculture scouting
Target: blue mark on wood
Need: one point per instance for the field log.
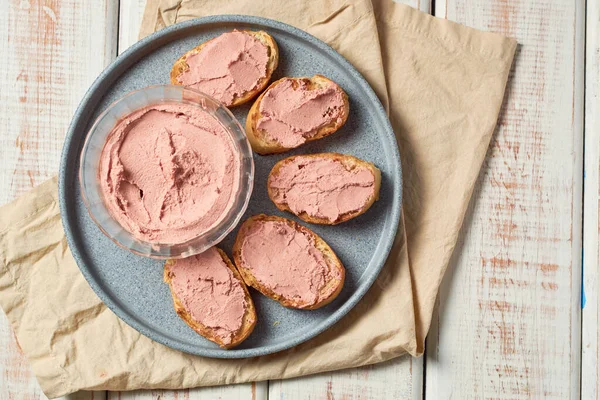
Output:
(583, 299)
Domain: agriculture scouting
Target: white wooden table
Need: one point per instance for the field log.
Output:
(511, 322)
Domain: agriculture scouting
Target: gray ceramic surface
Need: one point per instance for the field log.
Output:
(132, 286)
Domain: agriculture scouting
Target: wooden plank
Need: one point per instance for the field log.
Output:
(130, 18)
(400, 378)
(509, 314)
(84, 395)
(590, 373)
(49, 60)
(423, 5)
(253, 391)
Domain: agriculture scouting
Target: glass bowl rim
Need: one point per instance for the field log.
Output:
(233, 216)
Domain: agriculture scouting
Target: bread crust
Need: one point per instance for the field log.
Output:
(249, 319)
(181, 65)
(330, 257)
(347, 161)
(262, 144)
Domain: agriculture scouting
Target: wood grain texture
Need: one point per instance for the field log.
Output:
(49, 59)
(590, 367)
(400, 378)
(509, 316)
(232, 392)
(130, 19)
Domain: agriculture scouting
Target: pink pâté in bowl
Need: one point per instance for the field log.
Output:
(166, 172)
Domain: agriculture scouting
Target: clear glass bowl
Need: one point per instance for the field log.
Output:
(90, 165)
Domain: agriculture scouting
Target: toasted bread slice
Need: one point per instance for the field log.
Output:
(263, 144)
(248, 320)
(326, 292)
(181, 65)
(350, 164)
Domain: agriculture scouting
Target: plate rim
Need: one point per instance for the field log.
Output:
(155, 39)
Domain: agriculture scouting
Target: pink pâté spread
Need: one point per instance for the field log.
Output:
(169, 172)
(287, 262)
(322, 187)
(210, 292)
(227, 67)
(290, 113)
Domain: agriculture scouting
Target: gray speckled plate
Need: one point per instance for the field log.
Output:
(132, 286)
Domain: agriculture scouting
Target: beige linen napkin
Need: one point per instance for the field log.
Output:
(443, 85)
